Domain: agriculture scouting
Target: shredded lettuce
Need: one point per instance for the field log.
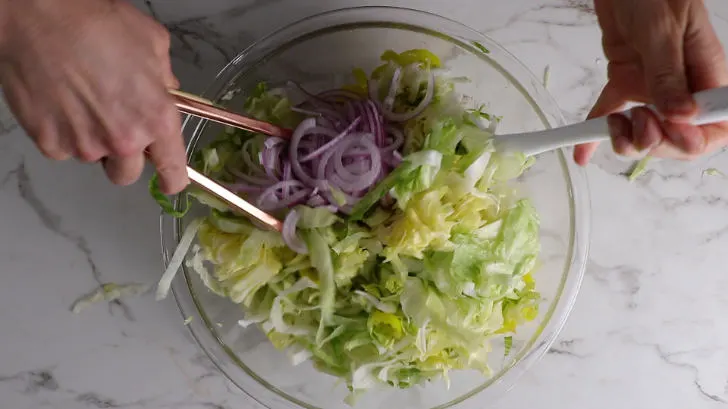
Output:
(507, 345)
(481, 47)
(109, 292)
(713, 172)
(164, 202)
(392, 295)
(639, 169)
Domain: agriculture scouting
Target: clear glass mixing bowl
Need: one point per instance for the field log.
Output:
(320, 52)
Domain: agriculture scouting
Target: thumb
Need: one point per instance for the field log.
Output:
(659, 41)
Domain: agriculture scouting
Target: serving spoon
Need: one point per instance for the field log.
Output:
(712, 108)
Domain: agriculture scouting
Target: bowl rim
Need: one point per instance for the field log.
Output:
(574, 266)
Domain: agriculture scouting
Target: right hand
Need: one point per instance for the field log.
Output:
(660, 52)
(88, 79)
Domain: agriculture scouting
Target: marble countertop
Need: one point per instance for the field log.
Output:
(649, 328)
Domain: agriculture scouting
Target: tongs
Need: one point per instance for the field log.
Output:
(205, 109)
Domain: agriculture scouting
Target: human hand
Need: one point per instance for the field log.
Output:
(88, 79)
(659, 52)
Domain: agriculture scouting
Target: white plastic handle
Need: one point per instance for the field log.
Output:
(712, 108)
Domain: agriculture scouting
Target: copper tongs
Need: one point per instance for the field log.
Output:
(202, 108)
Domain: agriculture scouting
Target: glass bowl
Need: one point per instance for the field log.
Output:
(320, 53)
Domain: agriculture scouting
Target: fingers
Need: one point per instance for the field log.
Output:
(661, 49)
(610, 100)
(124, 170)
(695, 61)
(51, 143)
(646, 132)
(620, 129)
(168, 152)
(584, 152)
(96, 87)
(704, 55)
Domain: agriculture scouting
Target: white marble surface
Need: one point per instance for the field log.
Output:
(649, 329)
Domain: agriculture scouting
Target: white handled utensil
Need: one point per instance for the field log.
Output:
(712, 108)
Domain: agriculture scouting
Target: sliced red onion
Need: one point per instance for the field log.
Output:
(323, 164)
(378, 123)
(289, 233)
(269, 200)
(272, 141)
(332, 142)
(362, 181)
(327, 152)
(298, 134)
(286, 170)
(356, 154)
(295, 198)
(271, 161)
(281, 185)
(406, 116)
(369, 118)
(338, 183)
(396, 142)
(317, 201)
(359, 167)
(286, 175)
(393, 87)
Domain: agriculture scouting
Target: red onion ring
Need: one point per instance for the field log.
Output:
(332, 142)
(406, 116)
(289, 233)
(393, 87)
(398, 139)
(298, 133)
(362, 181)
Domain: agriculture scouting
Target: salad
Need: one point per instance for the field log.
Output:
(405, 252)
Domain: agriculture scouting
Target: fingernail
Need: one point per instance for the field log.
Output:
(621, 145)
(646, 133)
(175, 186)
